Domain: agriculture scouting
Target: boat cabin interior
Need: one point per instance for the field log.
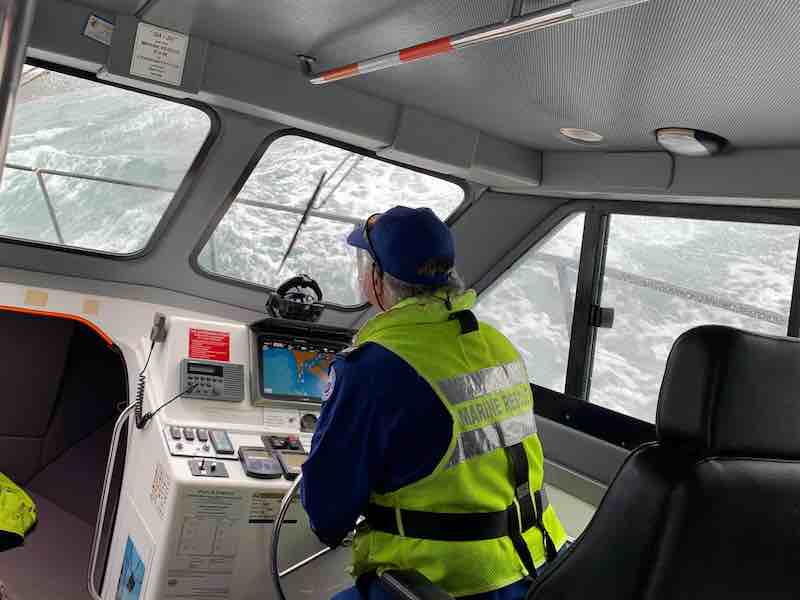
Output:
(621, 181)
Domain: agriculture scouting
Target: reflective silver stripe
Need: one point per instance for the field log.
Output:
(480, 441)
(492, 379)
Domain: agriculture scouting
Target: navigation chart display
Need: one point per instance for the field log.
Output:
(294, 370)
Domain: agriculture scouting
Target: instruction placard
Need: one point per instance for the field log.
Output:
(205, 557)
(206, 344)
(263, 507)
(159, 54)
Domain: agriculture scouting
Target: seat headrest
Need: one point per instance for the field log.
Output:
(730, 391)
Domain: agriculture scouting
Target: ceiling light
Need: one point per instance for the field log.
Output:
(581, 135)
(689, 142)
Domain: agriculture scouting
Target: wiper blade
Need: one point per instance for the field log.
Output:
(303, 220)
(333, 190)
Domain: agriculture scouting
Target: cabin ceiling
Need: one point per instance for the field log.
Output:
(730, 67)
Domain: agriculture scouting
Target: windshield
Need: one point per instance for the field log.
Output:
(299, 203)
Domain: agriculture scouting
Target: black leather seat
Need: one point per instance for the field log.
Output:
(711, 510)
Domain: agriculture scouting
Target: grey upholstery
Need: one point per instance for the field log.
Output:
(94, 384)
(33, 356)
(55, 432)
(66, 383)
(74, 481)
(53, 562)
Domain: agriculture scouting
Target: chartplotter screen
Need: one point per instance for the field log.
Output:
(294, 370)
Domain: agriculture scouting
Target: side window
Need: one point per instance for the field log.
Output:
(664, 276)
(533, 303)
(94, 166)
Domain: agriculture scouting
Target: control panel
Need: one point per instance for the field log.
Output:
(218, 443)
(189, 441)
(209, 380)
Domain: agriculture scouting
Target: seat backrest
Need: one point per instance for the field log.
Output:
(712, 509)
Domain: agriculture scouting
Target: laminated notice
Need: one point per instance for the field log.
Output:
(205, 558)
(206, 344)
(159, 54)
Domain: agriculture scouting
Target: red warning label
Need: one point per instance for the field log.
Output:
(210, 345)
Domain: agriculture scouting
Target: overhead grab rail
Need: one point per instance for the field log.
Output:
(563, 13)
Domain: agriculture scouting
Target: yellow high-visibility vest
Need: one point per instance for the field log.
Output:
(480, 520)
(17, 509)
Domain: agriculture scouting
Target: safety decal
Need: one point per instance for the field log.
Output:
(99, 29)
(210, 345)
(131, 575)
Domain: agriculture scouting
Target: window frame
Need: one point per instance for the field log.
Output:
(253, 163)
(576, 411)
(181, 193)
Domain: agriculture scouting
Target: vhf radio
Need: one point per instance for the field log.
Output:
(209, 380)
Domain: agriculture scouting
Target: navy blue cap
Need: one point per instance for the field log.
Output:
(412, 244)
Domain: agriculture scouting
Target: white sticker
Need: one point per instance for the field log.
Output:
(263, 507)
(205, 558)
(281, 419)
(159, 490)
(159, 54)
(99, 29)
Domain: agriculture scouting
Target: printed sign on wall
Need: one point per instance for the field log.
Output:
(205, 344)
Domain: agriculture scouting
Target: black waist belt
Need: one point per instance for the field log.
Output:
(526, 512)
(449, 527)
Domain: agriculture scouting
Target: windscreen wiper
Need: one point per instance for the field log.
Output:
(303, 219)
(333, 190)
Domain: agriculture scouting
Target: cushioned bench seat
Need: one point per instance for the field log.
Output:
(53, 562)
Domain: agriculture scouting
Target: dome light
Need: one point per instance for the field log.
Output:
(689, 142)
(584, 136)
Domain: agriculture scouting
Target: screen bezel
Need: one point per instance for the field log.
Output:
(316, 344)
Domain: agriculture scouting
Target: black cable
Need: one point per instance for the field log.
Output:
(137, 412)
(147, 416)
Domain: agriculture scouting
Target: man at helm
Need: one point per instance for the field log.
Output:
(428, 429)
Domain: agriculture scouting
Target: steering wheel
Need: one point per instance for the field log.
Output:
(276, 534)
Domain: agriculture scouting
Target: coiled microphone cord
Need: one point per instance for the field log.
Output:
(141, 420)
